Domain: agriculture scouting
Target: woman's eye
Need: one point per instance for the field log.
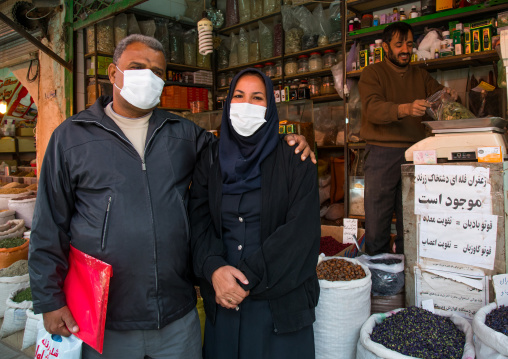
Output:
(237, 96)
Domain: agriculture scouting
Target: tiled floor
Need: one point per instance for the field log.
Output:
(7, 352)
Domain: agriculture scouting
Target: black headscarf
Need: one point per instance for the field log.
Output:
(240, 157)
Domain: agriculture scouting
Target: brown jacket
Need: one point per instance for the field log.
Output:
(382, 88)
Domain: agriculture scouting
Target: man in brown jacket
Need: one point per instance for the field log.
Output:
(393, 97)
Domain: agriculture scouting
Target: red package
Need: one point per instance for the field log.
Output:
(86, 289)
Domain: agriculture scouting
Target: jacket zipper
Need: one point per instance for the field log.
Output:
(105, 227)
(143, 167)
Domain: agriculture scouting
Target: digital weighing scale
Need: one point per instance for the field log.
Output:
(459, 140)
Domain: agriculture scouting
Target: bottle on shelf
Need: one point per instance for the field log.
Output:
(413, 14)
(351, 25)
(303, 90)
(357, 25)
(428, 7)
(375, 21)
(402, 14)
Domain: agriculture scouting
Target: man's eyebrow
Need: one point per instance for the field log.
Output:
(136, 63)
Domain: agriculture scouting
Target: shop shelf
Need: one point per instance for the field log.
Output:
(326, 98)
(232, 29)
(181, 67)
(451, 62)
(97, 53)
(324, 72)
(250, 64)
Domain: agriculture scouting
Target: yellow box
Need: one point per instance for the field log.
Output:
(476, 43)
(444, 5)
(26, 144)
(25, 131)
(487, 38)
(7, 144)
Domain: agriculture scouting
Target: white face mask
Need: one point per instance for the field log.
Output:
(246, 118)
(141, 88)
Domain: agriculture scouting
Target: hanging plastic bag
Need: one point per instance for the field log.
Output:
(387, 272)
(190, 47)
(223, 54)
(293, 32)
(175, 43)
(266, 41)
(443, 108)
(233, 54)
(162, 34)
(55, 345)
(254, 51)
(132, 25)
(335, 22)
(321, 28)
(243, 47)
(306, 21)
(244, 10)
(147, 27)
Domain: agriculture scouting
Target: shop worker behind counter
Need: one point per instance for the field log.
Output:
(114, 184)
(393, 97)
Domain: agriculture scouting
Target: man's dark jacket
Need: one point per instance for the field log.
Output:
(283, 270)
(96, 193)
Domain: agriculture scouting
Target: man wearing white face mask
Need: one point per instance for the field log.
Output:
(114, 184)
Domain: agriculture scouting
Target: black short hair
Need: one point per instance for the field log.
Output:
(398, 27)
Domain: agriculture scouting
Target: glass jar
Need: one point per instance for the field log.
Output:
(291, 67)
(229, 77)
(270, 69)
(315, 61)
(303, 90)
(329, 59)
(327, 86)
(293, 90)
(260, 67)
(278, 69)
(315, 86)
(303, 64)
(222, 80)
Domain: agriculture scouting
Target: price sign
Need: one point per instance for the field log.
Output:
(350, 230)
(501, 288)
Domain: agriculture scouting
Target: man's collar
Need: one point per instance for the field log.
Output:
(400, 70)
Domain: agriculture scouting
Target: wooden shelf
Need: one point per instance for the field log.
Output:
(356, 144)
(325, 72)
(231, 29)
(181, 67)
(326, 98)
(315, 49)
(186, 84)
(250, 64)
(450, 62)
(105, 77)
(98, 53)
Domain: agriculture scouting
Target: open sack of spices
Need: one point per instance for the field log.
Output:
(490, 327)
(15, 314)
(416, 333)
(12, 278)
(343, 307)
(387, 272)
(443, 108)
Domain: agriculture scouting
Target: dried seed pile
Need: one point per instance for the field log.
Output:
(498, 319)
(11, 242)
(25, 294)
(330, 247)
(15, 269)
(419, 333)
(339, 270)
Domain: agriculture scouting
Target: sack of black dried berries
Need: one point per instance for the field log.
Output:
(416, 333)
(490, 327)
(387, 273)
(344, 305)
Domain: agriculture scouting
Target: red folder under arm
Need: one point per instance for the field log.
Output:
(86, 290)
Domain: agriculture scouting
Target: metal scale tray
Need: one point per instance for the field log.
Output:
(496, 124)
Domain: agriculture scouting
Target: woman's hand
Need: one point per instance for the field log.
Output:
(293, 138)
(228, 293)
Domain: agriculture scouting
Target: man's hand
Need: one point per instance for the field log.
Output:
(292, 138)
(228, 293)
(60, 322)
(416, 108)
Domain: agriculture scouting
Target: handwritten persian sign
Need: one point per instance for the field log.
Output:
(350, 230)
(501, 288)
(459, 237)
(452, 189)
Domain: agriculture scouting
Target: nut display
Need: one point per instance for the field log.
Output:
(339, 270)
(330, 246)
(418, 333)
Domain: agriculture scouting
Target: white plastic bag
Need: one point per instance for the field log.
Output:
(338, 322)
(368, 349)
(9, 285)
(15, 315)
(56, 345)
(387, 279)
(488, 343)
(30, 333)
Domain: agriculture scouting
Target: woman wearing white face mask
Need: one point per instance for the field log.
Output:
(255, 223)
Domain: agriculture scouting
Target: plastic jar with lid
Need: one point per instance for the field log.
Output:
(327, 86)
(223, 82)
(366, 21)
(278, 68)
(291, 67)
(293, 90)
(303, 90)
(270, 69)
(303, 64)
(315, 61)
(329, 59)
(315, 86)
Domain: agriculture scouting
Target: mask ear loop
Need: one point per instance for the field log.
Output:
(122, 74)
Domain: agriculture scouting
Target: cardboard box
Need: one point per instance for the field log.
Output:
(336, 232)
(383, 304)
(444, 5)
(25, 131)
(26, 144)
(7, 144)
